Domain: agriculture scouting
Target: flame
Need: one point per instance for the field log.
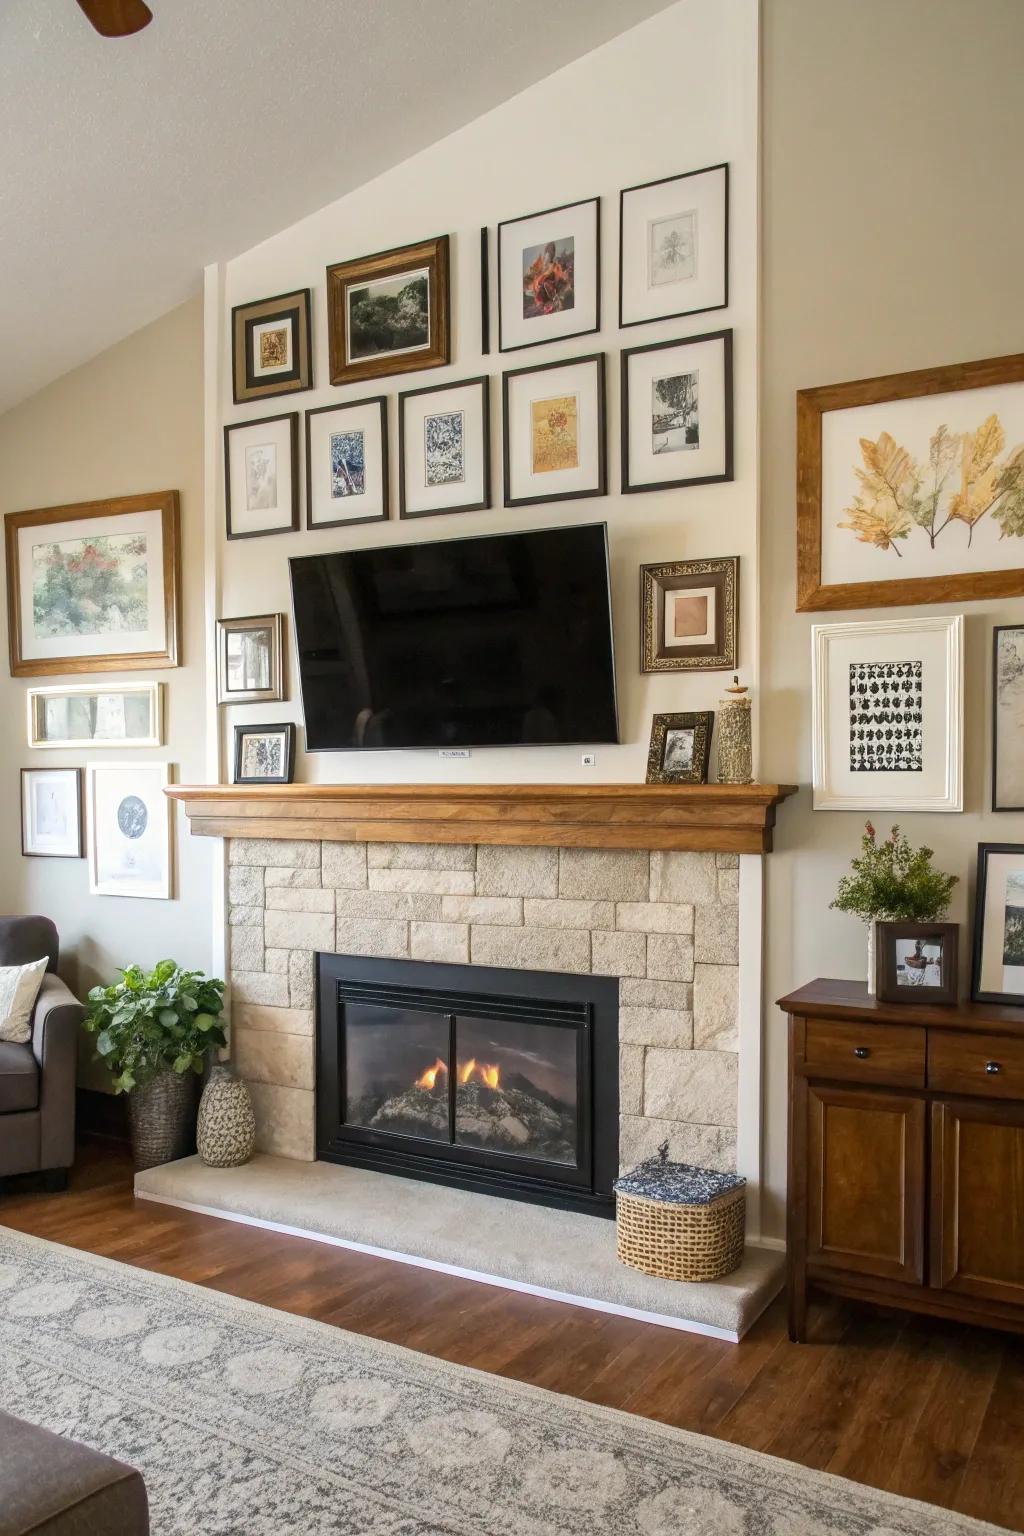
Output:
(490, 1075)
(429, 1077)
(466, 1071)
(485, 1071)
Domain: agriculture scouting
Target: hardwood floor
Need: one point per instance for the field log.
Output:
(928, 1409)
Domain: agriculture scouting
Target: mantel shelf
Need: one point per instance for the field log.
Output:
(702, 818)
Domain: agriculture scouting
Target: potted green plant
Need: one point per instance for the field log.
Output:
(154, 1031)
(892, 882)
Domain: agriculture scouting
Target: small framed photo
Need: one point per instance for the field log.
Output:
(51, 813)
(1008, 717)
(677, 413)
(129, 826)
(87, 714)
(261, 473)
(389, 313)
(997, 972)
(265, 754)
(916, 962)
(674, 246)
(444, 449)
(888, 703)
(549, 275)
(271, 346)
(553, 431)
(250, 659)
(347, 463)
(680, 748)
(688, 615)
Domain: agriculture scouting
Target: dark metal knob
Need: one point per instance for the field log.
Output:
(861, 1052)
(992, 1067)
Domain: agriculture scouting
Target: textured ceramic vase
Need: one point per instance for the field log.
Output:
(161, 1114)
(735, 754)
(226, 1134)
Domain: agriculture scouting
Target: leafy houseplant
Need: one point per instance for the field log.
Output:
(892, 882)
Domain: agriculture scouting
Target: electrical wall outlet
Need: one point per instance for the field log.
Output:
(589, 759)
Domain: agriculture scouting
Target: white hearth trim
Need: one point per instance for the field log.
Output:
(749, 1139)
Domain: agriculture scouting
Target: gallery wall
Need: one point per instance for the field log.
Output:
(889, 243)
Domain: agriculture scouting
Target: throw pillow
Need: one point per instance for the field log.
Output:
(19, 988)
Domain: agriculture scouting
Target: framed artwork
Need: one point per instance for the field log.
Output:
(553, 431)
(910, 488)
(444, 449)
(1008, 717)
(549, 275)
(347, 463)
(997, 972)
(250, 659)
(485, 291)
(82, 714)
(680, 748)
(674, 246)
(688, 615)
(271, 346)
(51, 813)
(264, 754)
(129, 826)
(677, 413)
(261, 473)
(888, 702)
(94, 587)
(916, 962)
(389, 313)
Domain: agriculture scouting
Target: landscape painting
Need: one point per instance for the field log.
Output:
(549, 278)
(444, 448)
(675, 413)
(554, 434)
(348, 464)
(96, 586)
(389, 315)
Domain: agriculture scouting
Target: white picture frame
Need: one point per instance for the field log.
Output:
(549, 275)
(347, 463)
(94, 715)
(888, 714)
(129, 830)
(444, 449)
(674, 246)
(51, 813)
(561, 462)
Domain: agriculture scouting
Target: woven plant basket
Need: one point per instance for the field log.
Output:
(678, 1222)
(162, 1118)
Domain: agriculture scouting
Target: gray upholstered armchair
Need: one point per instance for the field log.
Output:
(37, 1080)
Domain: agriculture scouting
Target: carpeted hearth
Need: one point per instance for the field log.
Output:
(250, 1422)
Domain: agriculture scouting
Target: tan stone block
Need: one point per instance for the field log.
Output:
(705, 1146)
(654, 916)
(716, 939)
(517, 872)
(684, 877)
(301, 978)
(421, 856)
(531, 949)
(280, 1021)
(669, 957)
(667, 1027)
(245, 917)
(276, 961)
(286, 899)
(729, 885)
(446, 942)
(245, 885)
(727, 860)
(656, 994)
(282, 853)
(344, 865)
(608, 874)
(398, 906)
(295, 879)
(505, 911)
(696, 1086)
(300, 930)
(285, 1121)
(259, 987)
(555, 913)
(716, 1007)
(631, 1079)
(264, 1056)
(618, 954)
(372, 936)
(246, 948)
(430, 882)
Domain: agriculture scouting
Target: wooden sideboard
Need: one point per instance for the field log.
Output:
(906, 1155)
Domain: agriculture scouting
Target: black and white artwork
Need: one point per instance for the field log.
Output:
(919, 962)
(1008, 719)
(672, 248)
(264, 754)
(51, 821)
(444, 448)
(678, 751)
(348, 464)
(260, 477)
(675, 413)
(129, 830)
(886, 716)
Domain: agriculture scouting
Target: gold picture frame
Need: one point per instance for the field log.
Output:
(712, 589)
(680, 749)
(419, 341)
(241, 669)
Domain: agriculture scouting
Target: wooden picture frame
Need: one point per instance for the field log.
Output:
(37, 699)
(272, 346)
(1007, 672)
(47, 655)
(369, 418)
(815, 413)
(593, 482)
(717, 579)
(894, 974)
(273, 692)
(674, 759)
(577, 224)
(994, 888)
(429, 258)
(72, 844)
(707, 191)
(285, 508)
(649, 462)
(286, 732)
(474, 448)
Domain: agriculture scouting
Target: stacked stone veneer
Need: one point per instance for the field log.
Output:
(664, 923)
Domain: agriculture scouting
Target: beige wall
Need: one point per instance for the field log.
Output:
(129, 421)
(893, 238)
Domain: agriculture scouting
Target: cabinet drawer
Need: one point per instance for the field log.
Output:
(865, 1053)
(992, 1065)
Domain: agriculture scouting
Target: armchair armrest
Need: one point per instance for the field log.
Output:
(56, 1023)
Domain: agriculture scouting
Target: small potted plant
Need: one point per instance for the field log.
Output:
(892, 882)
(154, 1031)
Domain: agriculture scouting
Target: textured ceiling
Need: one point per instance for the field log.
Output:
(127, 165)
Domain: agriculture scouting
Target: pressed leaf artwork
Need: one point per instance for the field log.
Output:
(555, 434)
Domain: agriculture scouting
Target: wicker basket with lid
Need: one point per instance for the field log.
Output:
(680, 1222)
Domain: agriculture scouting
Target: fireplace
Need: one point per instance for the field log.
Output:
(498, 1080)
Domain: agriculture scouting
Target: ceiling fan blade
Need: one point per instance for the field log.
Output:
(117, 18)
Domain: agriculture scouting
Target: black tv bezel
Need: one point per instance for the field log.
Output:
(463, 746)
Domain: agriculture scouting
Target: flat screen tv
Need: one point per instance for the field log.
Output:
(486, 642)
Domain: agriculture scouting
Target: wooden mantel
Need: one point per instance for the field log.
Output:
(722, 818)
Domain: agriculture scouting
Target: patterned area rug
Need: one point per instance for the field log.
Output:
(249, 1422)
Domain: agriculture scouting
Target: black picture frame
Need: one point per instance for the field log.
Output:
(660, 181)
(627, 487)
(296, 309)
(985, 850)
(543, 213)
(481, 382)
(601, 489)
(284, 728)
(79, 773)
(888, 988)
(292, 526)
(485, 291)
(381, 401)
(998, 630)
(702, 723)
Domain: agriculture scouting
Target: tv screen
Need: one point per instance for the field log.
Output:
(498, 641)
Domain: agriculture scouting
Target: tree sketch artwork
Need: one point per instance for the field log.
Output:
(261, 477)
(391, 314)
(95, 586)
(1013, 919)
(444, 449)
(348, 464)
(886, 717)
(263, 757)
(1009, 707)
(549, 278)
(675, 413)
(672, 251)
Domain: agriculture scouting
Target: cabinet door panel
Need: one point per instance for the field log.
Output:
(866, 1182)
(978, 1199)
